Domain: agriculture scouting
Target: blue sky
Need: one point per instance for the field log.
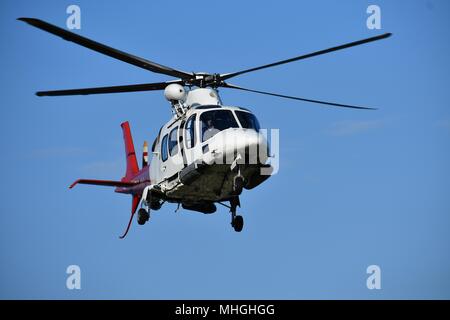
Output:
(355, 188)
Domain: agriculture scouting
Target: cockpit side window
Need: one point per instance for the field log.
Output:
(156, 141)
(154, 144)
(190, 131)
(248, 120)
(164, 148)
(173, 142)
(214, 121)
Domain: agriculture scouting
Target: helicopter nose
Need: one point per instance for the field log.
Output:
(228, 144)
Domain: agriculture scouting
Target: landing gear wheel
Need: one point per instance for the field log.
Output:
(143, 216)
(238, 223)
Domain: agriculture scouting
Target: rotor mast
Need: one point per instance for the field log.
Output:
(182, 100)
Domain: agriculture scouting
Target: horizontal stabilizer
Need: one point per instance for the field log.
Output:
(108, 183)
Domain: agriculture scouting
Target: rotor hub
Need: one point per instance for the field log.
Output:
(204, 79)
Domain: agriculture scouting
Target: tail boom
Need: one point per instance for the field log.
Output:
(134, 181)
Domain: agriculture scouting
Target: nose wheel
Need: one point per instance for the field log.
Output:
(143, 216)
(237, 221)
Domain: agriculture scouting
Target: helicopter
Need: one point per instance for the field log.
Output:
(208, 152)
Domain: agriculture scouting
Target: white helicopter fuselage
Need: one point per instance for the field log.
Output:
(198, 154)
(207, 152)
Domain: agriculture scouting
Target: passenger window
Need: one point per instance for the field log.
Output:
(156, 140)
(173, 143)
(164, 148)
(190, 132)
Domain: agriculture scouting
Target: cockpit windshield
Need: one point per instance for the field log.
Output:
(248, 120)
(215, 121)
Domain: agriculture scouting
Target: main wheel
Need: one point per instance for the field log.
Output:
(238, 223)
(143, 216)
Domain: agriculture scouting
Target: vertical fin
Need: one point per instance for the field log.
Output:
(132, 165)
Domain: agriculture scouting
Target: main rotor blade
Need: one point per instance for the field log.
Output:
(305, 56)
(113, 89)
(114, 53)
(231, 86)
